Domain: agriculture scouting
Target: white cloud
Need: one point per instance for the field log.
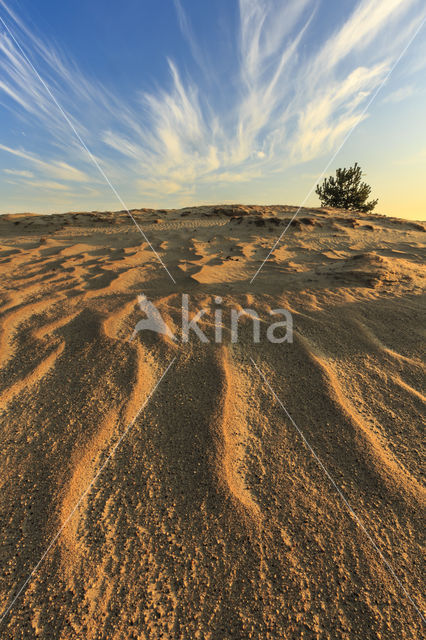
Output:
(57, 169)
(291, 99)
(197, 52)
(48, 184)
(19, 174)
(401, 94)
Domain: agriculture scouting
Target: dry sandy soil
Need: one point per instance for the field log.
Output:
(212, 520)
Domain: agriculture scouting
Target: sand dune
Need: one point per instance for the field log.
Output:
(212, 520)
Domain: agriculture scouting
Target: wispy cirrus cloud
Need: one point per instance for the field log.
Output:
(19, 174)
(57, 169)
(402, 93)
(293, 96)
(48, 184)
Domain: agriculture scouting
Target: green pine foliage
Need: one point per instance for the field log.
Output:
(346, 191)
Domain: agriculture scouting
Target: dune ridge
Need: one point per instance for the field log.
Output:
(212, 520)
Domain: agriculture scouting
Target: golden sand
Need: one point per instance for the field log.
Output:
(212, 520)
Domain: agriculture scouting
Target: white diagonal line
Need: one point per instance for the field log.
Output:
(345, 139)
(83, 495)
(85, 147)
(357, 519)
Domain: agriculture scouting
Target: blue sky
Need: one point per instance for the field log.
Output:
(188, 102)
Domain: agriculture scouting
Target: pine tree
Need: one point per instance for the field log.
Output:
(346, 191)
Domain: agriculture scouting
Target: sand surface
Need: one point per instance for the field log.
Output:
(212, 520)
